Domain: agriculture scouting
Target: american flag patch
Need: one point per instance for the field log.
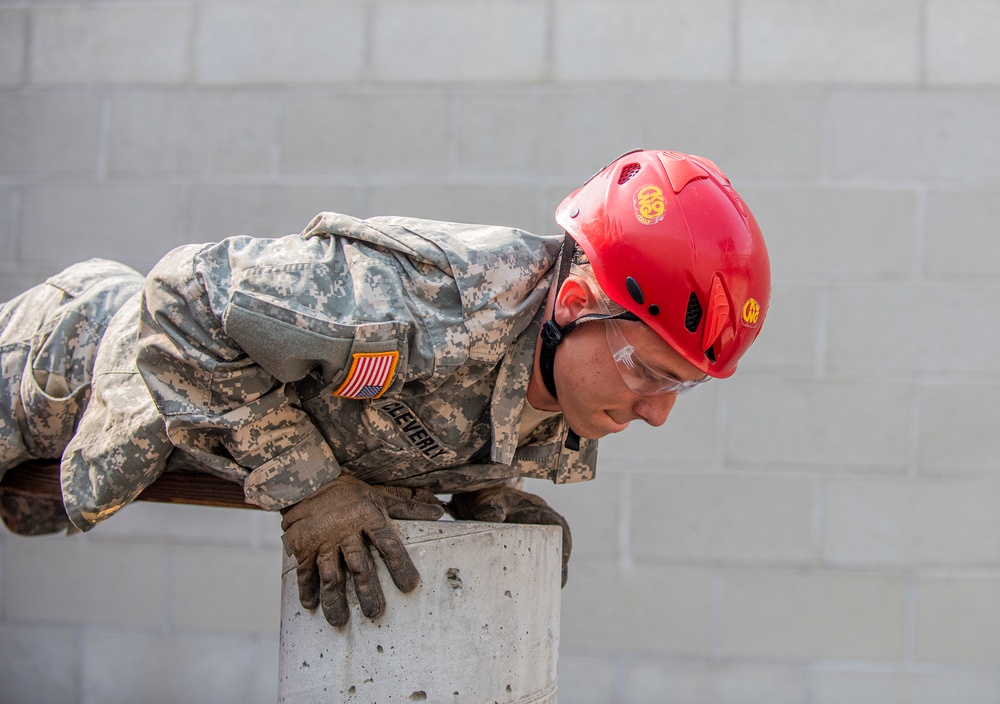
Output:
(370, 375)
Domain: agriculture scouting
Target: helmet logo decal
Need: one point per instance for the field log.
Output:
(751, 311)
(649, 205)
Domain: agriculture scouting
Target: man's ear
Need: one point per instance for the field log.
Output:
(575, 298)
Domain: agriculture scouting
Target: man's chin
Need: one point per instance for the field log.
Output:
(592, 433)
(585, 433)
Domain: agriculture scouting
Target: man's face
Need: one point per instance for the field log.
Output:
(593, 396)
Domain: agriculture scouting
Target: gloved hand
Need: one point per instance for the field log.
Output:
(330, 534)
(504, 504)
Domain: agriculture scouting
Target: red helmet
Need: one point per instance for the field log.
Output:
(670, 240)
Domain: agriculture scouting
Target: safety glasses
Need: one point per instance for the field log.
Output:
(639, 376)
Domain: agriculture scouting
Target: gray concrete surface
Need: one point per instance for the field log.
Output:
(482, 628)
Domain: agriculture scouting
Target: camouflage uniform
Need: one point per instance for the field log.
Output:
(396, 350)
(49, 338)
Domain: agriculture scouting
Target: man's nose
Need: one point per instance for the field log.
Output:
(655, 409)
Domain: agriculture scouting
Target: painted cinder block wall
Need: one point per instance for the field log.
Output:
(820, 529)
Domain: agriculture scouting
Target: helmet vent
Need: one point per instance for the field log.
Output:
(628, 171)
(634, 290)
(693, 315)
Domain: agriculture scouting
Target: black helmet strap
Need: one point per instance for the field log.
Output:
(552, 333)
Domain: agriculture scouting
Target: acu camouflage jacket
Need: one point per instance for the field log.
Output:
(394, 349)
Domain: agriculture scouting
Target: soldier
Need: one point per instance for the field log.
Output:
(349, 374)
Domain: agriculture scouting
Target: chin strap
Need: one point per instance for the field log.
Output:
(552, 334)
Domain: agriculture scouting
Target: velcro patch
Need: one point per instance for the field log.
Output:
(370, 375)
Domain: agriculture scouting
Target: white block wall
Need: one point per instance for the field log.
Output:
(820, 529)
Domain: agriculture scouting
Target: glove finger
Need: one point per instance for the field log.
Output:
(410, 504)
(392, 494)
(361, 564)
(425, 496)
(463, 506)
(508, 499)
(415, 511)
(490, 513)
(567, 548)
(500, 505)
(537, 515)
(397, 560)
(308, 578)
(333, 594)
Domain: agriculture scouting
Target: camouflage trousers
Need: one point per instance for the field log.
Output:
(49, 336)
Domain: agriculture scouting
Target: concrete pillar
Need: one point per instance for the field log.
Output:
(482, 627)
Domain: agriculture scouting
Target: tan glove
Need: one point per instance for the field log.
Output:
(331, 533)
(504, 504)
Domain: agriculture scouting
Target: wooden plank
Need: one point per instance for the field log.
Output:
(42, 478)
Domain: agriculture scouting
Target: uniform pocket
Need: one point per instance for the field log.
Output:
(290, 342)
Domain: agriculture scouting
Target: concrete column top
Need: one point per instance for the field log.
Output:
(483, 626)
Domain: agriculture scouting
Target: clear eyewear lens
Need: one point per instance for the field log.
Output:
(638, 375)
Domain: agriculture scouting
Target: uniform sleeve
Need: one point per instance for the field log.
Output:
(119, 447)
(225, 330)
